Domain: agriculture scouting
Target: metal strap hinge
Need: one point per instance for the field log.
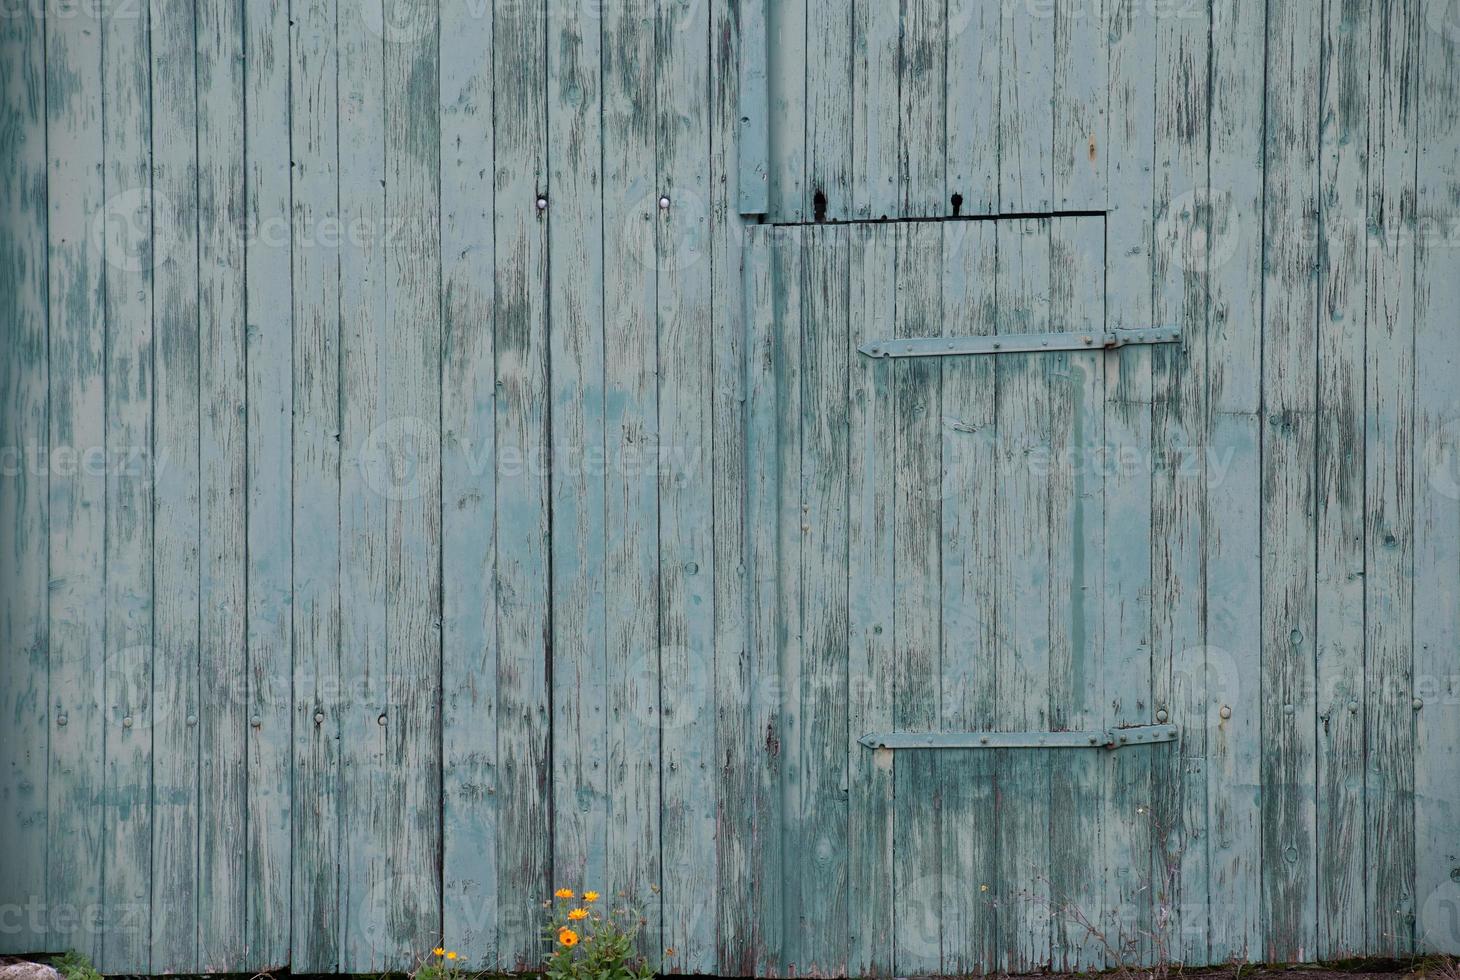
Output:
(1108, 738)
(1017, 343)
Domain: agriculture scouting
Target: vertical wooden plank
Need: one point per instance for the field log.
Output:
(468, 473)
(788, 40)
(370, 444)
(1339, 643)
(685, 559)
(1074, 467)
(769, 257)
(1437, 493)
(24, 479)
(971, 119)
(631, 440)
(917, 598)
(315, 519)
(1023, 597)
(1128, 418)
(922, 101)
(870, 664)
(1081, 88)
(1026, 106)
(412, 138)
(969, 681)
(224, 726)
(1289, 384)
(575, 276)
(730, 35)
(785, 769)
(272, 916)
(752, 101)
(1233, 493)
(1389, 479)
(1177, 489)
(820, 861)
(829, 109)
(127, 679)
(876, 27)
(77, 507)
(175, 562)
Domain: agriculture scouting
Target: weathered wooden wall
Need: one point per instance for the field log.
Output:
(421, 487)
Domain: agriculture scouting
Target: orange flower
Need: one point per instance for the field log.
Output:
(590, 896)
(451, 955)
(564, 893)
(567, 937)
(577, 914)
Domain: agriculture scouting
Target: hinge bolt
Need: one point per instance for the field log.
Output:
(664, 204)
(1226, 712)
(1161, 715)
(1419, 703)
(542, 204)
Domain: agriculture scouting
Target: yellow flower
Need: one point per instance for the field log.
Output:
(590, 896)
(577, 914)
(567, 937)
(451, 955)
(564, 893)
(439, 951)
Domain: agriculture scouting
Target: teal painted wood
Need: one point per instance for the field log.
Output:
(1436, 511)
(469, 653)
(367, 442)
(752, 99)
(631, 436)
(1081, 110)
(224, 725)
(1128, 418)
(1026, 106)
(1180, 885)
(734, 739)
(176, 567)
(971, 166)
(916, 594)
(766, 253)
(1233, 618)
(575, 275)
(24, 491)
(819, 860)
(314, 198)
(789, 40)
(876, 28)
(922, 99)
(829, 110)
(870, 663)
(127, 677)
(1389, 399)
(1339, 643)
(270, 398)
(686, 523)
(1022, 589)
(968, 677)
(1077, 539)
(1289, 383)
(76, 416)
(411, 725)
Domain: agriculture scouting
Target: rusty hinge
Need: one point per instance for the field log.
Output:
(1107, 738)
(1018, 343)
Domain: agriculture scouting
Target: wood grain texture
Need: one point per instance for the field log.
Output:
(315, 751)
(269, 694)
(1026, 107)
(973, 52)
(1436, 495)
(1289, 393)
(24, 485)
(127, 677)
(1339, 644)
(469, 464)
(1389, 342)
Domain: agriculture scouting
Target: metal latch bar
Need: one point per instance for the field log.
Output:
(1108, 738)
(1018, 343)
